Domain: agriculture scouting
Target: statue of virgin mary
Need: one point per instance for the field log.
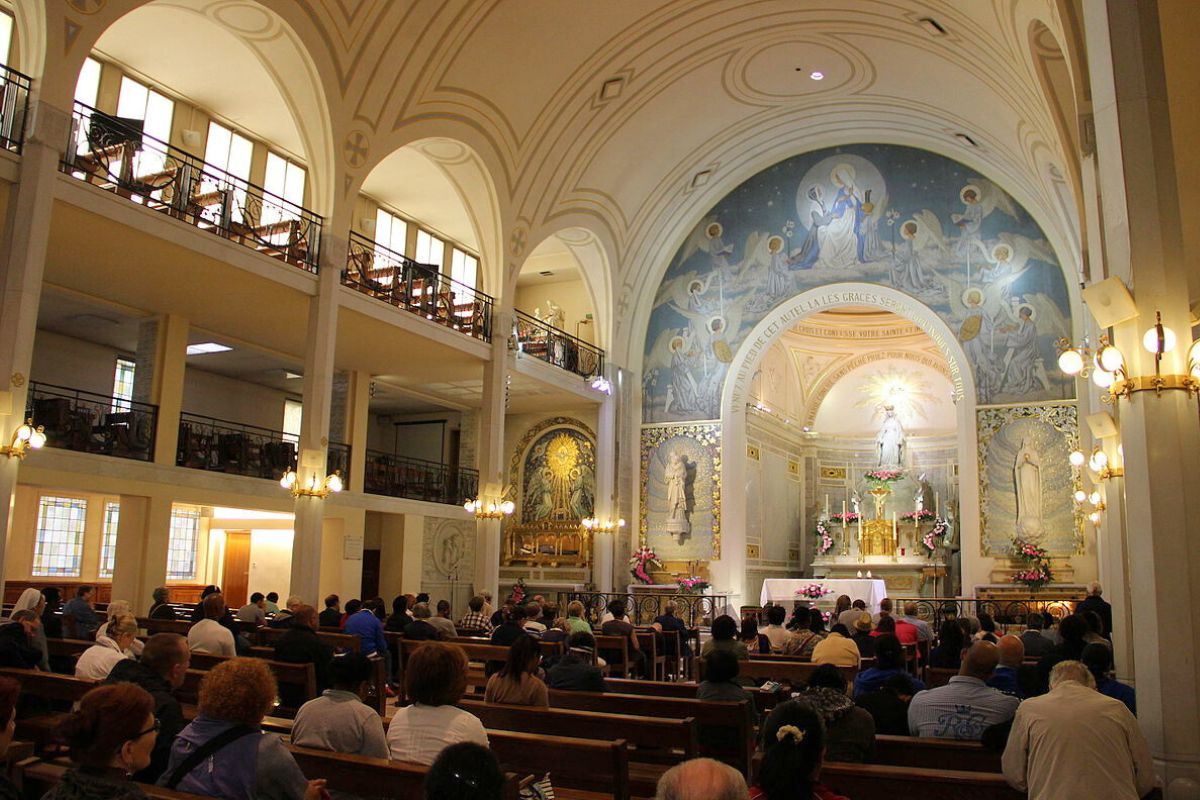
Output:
(1027, 477)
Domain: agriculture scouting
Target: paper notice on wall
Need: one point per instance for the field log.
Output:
(352, 547)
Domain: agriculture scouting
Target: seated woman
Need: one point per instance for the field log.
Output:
(575, 620)
(948, 653)
(123, 608)
(889, 661)
(112, 646)
(517, 682)
(793, 749)
(755, 642)
(724, 637)
(224, 753)
(721, 683)
(435, 679)
(803, 639)
(32, 600)
(465, 771)
(849, 730)
(110, 736)
(339, 720)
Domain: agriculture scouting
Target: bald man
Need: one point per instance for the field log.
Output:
(1012, 653)
(966, 706)
(702, 779)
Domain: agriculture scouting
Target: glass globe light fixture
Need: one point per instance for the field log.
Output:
(1098, 461)
(1194, 359)
(334, 482)
(1103, 379)
(1070, 361)
(1110, 358)
(1077, 458)
(1094, 517)
(1094, 498)
(1080, 495)
(1159, 338)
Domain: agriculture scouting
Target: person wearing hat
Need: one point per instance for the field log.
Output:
(862, 637)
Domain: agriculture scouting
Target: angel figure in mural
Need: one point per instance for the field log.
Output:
(912, 270)
(1027, 479)
(890, 441)
(835, 240)
(980, 198)
(675, 476)
(1023, 370)
(684, 389)
(976, 335)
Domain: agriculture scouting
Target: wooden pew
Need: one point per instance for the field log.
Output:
(886, 782)
(338, 641)
(763, 700)
(51, 686)
(615, 650)
(153, 626)
(938, 676)
(301, 676)
(587, 764)
(910, 751)
(656, 661)
(796, 673)
(371, 777)
(717, 714)
(35, 777)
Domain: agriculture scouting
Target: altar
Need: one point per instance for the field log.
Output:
(782, 591)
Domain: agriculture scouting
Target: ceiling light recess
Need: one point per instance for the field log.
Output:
(206, 347)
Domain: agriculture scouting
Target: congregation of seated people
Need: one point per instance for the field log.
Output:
(1032, 695)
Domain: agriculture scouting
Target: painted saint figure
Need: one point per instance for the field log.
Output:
(1027, 477)
(675, 477)
(890, 440)
(835, 240)
(1021, 362)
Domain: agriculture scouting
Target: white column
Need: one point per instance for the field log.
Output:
(605, 496)
(491, 453)
(314, 426)
(1160, 434)
(143, 536)
(22, 263)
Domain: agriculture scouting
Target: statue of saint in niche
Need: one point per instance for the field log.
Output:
(1027, 477)
(675, 476)
(890, 441)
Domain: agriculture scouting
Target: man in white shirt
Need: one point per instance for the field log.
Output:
(1075, 742)
(442, 620)
(964, 707)
(339, 720)
(208, 635)
(255, 611)
(775, 632)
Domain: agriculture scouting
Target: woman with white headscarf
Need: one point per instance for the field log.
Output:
(32, 600)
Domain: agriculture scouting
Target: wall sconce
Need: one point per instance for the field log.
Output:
(313, 487)
(1103, 467)
(602, 385)
(490, 509)
(602, 526)
(1095, 501)
(25, 438)
(1109, 367)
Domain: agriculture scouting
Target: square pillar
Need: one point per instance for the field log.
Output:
(168, 368)
(143, 535)
(402, 538)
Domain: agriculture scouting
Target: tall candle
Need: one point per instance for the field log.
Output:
(843, 513)
(895, 533)
(937, 504)
(827, 504)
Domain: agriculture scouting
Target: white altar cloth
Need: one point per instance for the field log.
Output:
(783, 590)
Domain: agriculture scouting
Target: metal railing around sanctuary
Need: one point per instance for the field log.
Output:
(695, 610)
(1006, 612)
(219, 445)
(557, 347)
(416, 479)
(115, 154)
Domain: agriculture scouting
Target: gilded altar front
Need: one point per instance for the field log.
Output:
(551, 543)
(877, 538)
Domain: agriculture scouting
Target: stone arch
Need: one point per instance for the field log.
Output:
(273, 44)
(730, 570)
(592, 253)
(468, 187)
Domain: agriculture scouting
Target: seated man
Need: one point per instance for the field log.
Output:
(1005, 678)
(775, 632)
(82, 609)
(441, 620)
(419, 629)
(889, 705)
(966, 706)
(339, 720)
(851, 615)
(331, 617)
(1036, 645)
(924, 633)
(209, 635)
(1098, 659)
(475, 620)
(1075, 742)
(301, 645)
(255, 611)
(889, 661)
(160, 671)
(620, 626)
(577, 670)
(283, 618)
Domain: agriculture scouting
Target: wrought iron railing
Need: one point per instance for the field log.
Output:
(386, 275)
(694, 609)
(88, 422)
(546, 342)
(219, 445)
(417, 479)
(114, 154)
(1006, 612)
(14, 108)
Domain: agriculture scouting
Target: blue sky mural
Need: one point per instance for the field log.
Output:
(896, 216)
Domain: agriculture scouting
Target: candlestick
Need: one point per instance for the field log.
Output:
(895, 533)
(937, 504)
(860, 573)
(844, 520)
(826, 504)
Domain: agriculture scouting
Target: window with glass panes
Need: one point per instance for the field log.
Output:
(430, 249)
(226, 151)
(58, 540)
(391, 235)
(108, 539)
(181, 546)
(6, 29)
(87, 90)
(293, 413)
(122, 384)
(464, 268)
(138, 101)
(283, 179)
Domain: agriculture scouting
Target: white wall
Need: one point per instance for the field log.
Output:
(571, 295)
(213, 395)
(271, 561)
(67, 361)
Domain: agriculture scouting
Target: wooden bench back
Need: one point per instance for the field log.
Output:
(763, 700)
(938, 676)
(886, 782)
(614, 650)
(909, 751)
(597, 766)
(338, 641)
(365, 777)
(795, 673)
(34, 778)
(49, 685)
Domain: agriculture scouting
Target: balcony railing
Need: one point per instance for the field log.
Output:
(219, 445)
(385, 275)
(87, 422)
(542, 340)
(416, 479)
(114, 154)
(14, 108)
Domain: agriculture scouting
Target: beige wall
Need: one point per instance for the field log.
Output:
(572, 295)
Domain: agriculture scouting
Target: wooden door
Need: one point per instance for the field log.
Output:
(370, 574)
(236, 581)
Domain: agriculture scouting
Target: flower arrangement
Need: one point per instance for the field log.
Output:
(824, 539)
(643, 557)
(935, 537)
(519, 592)
(919, 516)
(849, 518)
(884, 478)
(692, 584)
(814, 591)
(1035, 572)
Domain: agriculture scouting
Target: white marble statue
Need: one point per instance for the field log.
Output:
(555, 316)
(675, 476)
(1027, 477)
(890, 441)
